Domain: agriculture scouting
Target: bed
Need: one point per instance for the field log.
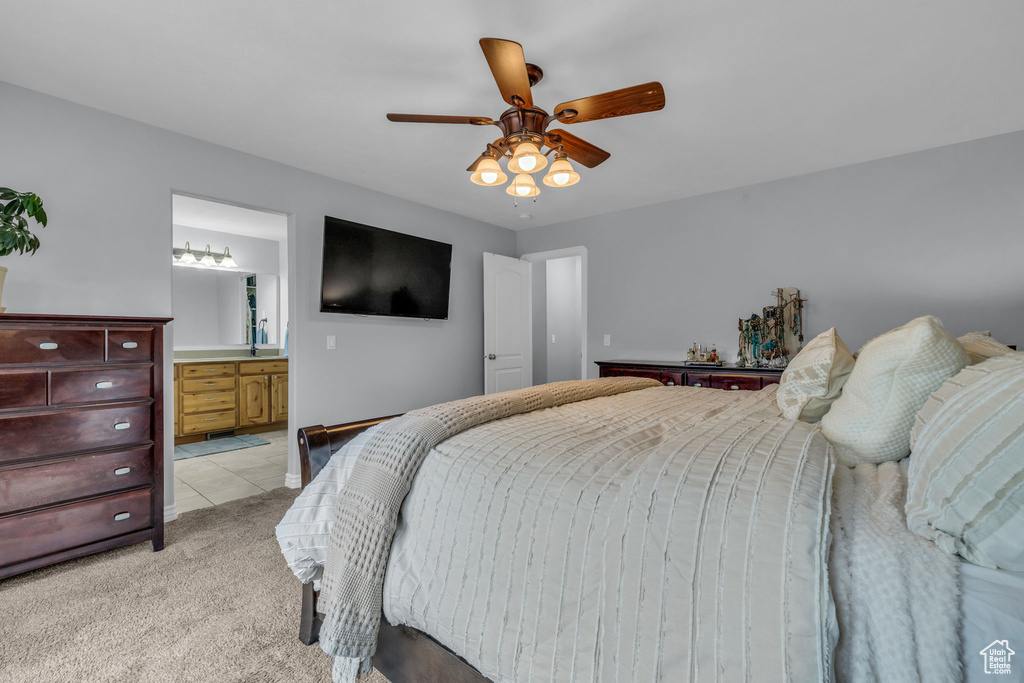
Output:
(494, 574)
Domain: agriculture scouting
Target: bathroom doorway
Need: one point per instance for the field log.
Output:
(230, 305)
(559, 312)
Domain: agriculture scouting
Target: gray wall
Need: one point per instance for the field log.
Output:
(871, 246)
(563, 319)
(107, 184)
(539, 311)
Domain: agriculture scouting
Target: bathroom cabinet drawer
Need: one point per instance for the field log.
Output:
(35, 534)
(736, 382)
(129, 345)
(212, 384)
(262, 367)
(50, 345)
(99, 384)
(70, 431)
(22, 389)
(207, 370)
(208, 422)
(51, 482)
(205, 402)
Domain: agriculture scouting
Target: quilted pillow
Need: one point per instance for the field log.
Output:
(965, 484)
(981, 346)
(891, 380)
(814, 378)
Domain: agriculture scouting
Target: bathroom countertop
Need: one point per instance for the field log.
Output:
(227, 359)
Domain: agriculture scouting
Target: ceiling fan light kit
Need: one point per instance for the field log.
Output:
(525, 126)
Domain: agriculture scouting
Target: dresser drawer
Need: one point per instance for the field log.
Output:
(22, 389)
(205, 402)
(213, 384)
(771, 379)
(631, 372)
(262, 367)
(736, 382)
(50, 345)
(698, 380)
(207, 370)
(129, 345)
(208, 422)
(84, 386)
(70, 431)
(87, 475)
(40, 533)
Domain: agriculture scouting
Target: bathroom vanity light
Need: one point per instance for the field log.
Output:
(210, 260)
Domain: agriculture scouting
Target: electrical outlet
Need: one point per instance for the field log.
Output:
(332, 342)
(607, 340)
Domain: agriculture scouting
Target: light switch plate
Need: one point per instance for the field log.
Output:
(552, 339)
(607, 340)
(332, 342)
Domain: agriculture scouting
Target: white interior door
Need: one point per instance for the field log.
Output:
(508, 349)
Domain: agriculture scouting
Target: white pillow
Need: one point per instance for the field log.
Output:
(965, 485)
(814, 378)
(893, 376)
(981, 346)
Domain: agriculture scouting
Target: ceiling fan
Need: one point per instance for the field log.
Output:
(525, 126)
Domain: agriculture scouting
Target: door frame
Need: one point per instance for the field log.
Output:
(562, 253)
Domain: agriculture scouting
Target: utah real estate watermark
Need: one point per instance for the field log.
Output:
(997, 657)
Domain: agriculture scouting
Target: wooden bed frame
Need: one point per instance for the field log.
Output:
(404, 654)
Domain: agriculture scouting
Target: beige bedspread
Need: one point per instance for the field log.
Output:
(668, 534)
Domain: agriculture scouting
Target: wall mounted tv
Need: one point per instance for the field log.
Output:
(372, 271)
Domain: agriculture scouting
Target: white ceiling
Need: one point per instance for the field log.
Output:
(755, 90)
(236, 220)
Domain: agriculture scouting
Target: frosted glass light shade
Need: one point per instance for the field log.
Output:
(188, 257)
(227, 261)
(527, 159)
(488, 172)
(561, 174)
(522, 186)
(208, 259)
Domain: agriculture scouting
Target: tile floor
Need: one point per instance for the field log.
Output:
(214, 479)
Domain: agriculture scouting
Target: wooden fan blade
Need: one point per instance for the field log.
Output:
(499, 143)
(505, 57)
(429, 118)
(636, 100)
(578, 150)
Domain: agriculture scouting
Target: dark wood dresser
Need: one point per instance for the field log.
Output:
(721, 377)
(81, 437)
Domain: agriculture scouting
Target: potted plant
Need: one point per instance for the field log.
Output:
(15, 210)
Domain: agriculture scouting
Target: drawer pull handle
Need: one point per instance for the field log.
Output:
(211, 399)
(209, 384)
(734, 387)
(129, 345)
(670, 384)
(210, 370)
(104, 385)
(697, 384)
(209, 419)
(122, 470)
(122, 426)
(121, 516)
(48, 346)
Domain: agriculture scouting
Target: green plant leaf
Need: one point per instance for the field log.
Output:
(41, 216)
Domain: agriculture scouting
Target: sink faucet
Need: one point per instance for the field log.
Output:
(253, 351)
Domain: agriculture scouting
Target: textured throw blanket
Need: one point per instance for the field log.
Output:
(896, 594)
(368, 508)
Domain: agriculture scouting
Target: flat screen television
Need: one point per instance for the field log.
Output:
(372, 271)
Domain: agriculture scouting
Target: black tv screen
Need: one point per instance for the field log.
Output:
(372, 271)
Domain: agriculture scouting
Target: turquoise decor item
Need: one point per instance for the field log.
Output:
(766, 340)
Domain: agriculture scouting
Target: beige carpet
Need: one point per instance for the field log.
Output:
(217, 605)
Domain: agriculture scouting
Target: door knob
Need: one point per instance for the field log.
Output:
(491, 356)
